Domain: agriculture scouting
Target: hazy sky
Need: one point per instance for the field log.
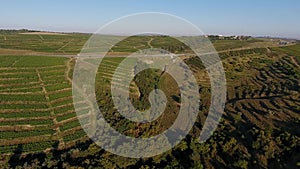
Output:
(279, 18)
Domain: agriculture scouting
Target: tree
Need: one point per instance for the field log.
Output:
(241, 164)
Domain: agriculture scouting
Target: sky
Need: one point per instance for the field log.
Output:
(277, 18)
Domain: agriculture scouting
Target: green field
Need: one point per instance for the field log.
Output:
(33, 89)
(66, 43)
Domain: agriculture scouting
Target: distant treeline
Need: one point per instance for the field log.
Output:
(12, 31)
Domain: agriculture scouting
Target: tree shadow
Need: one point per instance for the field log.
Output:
(17, 160)
(14, 160)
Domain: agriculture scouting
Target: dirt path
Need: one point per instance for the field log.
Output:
(149, 43)
(68, 70)
(57, 129)
(16, 61)
(41, 37)
(295, 62)
(92, 120)
(60, 49)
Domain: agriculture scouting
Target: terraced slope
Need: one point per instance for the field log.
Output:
(269, 98)
(259, 127)
(36, 105)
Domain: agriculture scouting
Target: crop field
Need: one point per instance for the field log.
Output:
(259, 126)
(36, 104)
(71, 44)
(60, 43)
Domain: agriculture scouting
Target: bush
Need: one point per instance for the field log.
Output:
(241, 164)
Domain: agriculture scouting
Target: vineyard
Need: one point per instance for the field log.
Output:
(36, 104)
(259, 127)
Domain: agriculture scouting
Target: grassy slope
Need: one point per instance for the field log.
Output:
(293, 50)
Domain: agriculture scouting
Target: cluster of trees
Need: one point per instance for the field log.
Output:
(14, 31)
(256, 149)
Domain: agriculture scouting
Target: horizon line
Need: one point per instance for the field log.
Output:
(120, 34)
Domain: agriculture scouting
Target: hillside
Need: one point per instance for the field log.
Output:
(39, 126)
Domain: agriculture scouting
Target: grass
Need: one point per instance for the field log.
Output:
(57, 68)
(26, 114)
(30, 61)
(54, 74)
(23, 106)
(58, 86)
(8, 149)
(65, 117)
(62, 102)
(13, 134)
(19, 86)
(17, 81)
(36, 89)
(63, 109)
(22, 97)
(77, 135)
(53, 81)
(38, 146)
(53, 78)
(69, 125)
(293, 50)
(6, 61)
(20, 75)
(40, 61)
(232, 44)
(61, 94)
(68, 43)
